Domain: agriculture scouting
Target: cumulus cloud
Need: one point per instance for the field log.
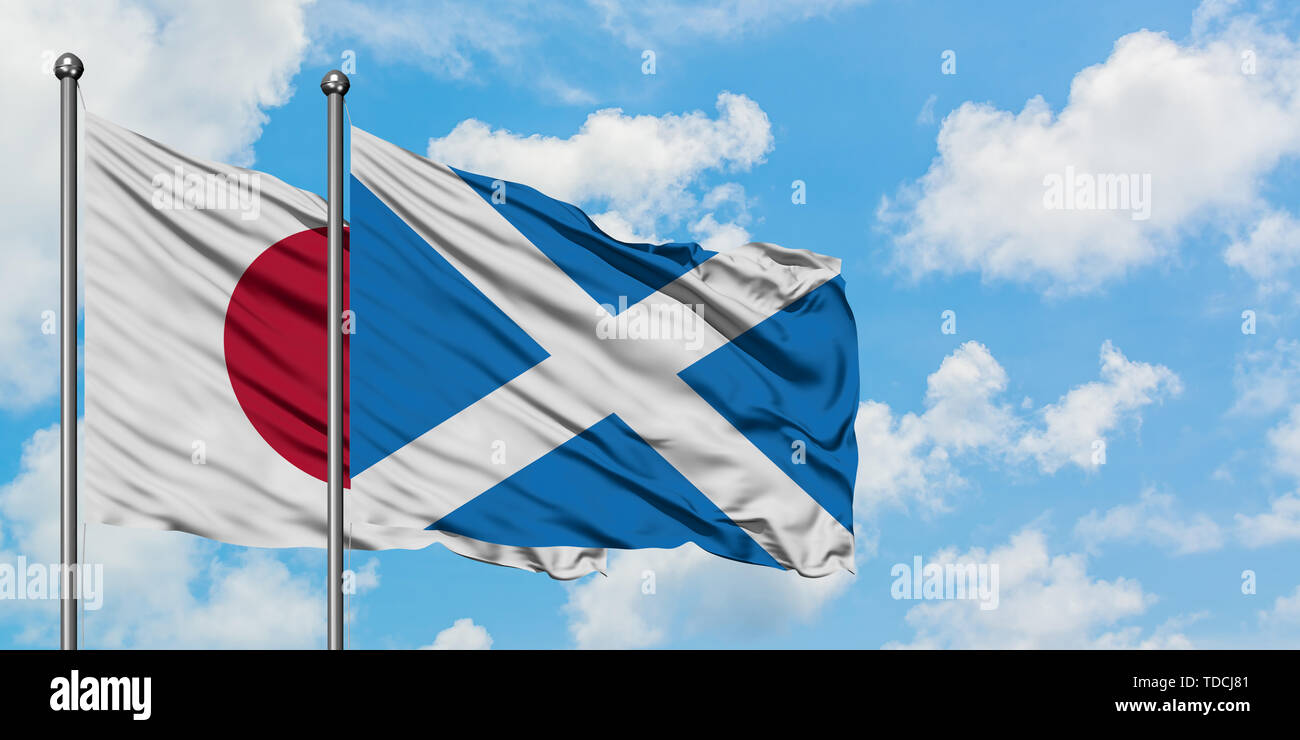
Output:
(463, 634)
(1269, 252)
(1153, 519)
(911, 458)
(717, 236)
(1046, 602)
(142, 60)
(1268, 380)
(161, 589)
(253, 601)
(898, 463)
(1284, 613)
(644, 171)
(1281, 523)
(1168, 635)
(1284, 440)
(650, 597)
(1156, 108)
(959, 397)
(1089, 412)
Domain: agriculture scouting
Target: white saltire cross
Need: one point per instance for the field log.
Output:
(586, 378)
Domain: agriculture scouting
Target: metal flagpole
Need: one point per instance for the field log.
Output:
(68, 69)
(335, 85)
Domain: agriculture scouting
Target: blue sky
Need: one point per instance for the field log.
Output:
(978, 444)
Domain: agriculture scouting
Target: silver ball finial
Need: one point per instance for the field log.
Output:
(68, 65)
(335, 81)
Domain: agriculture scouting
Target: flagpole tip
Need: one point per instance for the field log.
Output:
(69, 65)
(335, 81)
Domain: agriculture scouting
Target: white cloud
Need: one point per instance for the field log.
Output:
(694, 593)
(463, 634)
(445, 37)
(640, 168)
(720, 236)
(1269, 252)
(161, 589)
(897, 462)
(911, 458)
(367, 576)
(960, 410)
(196, 75)
(926, 116)
(1154, 519)
(670, 21)
(1285, 611)
(256, 601)
(716, 236)
(1268, 380)
(1284, 439)
(1280, 523)
(1046, 601)
(1168, 635)
(565, 91)
(618, 227)
(1091, 411)
(1153, 107)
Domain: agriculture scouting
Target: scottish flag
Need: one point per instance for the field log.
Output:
(520, 378)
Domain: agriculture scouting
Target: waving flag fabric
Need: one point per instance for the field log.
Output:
(205, 358)
(520, 377)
